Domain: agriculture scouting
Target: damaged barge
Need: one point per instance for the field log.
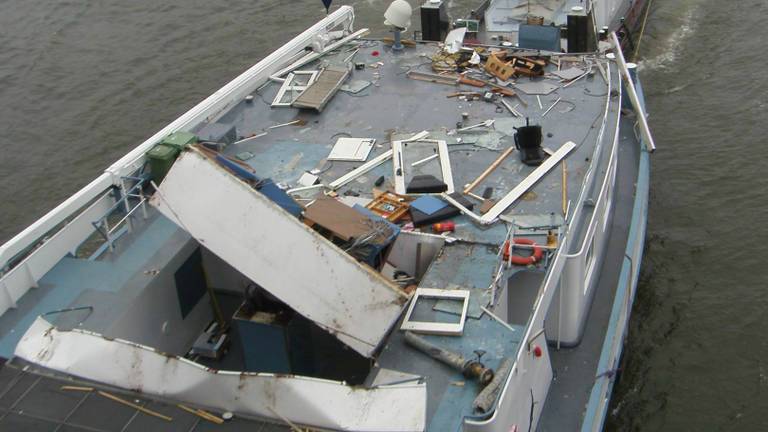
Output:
(440, 233)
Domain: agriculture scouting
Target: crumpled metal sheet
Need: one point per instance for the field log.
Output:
(311, 401)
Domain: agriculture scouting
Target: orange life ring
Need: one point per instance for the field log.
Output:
(524, 260)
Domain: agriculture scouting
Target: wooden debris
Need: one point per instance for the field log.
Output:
(202, 414)
(487, 205)
(407, 42)
(77, 388)
(495, 66)
(389, 205)
(489, 170)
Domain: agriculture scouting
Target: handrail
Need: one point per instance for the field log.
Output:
(103, 221)
(210, 108)
(582, 196)
(553, 274)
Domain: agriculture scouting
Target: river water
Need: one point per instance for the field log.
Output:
(82, 82)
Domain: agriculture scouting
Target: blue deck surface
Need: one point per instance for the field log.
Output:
(450, 394)
(73, 280)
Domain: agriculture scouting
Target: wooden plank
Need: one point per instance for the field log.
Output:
(317, 95)
(528, 182)
(489, 170)
(343, 221)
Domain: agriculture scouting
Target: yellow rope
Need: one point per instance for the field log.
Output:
(642, 29)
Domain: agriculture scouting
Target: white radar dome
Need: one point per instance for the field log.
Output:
(398, 14)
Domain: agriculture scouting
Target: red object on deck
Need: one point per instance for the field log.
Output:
(538, 253)
(537, 351)
(443, 227)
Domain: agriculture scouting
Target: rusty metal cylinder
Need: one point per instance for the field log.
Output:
(469, 368)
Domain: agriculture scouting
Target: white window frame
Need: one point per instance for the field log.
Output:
(402, 168)
(431, 327)
(289, 86)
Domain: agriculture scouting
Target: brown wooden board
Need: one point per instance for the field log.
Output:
(343, 221)
(317, 95)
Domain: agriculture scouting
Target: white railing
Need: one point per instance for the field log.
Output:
(18, 280)
(554, 273)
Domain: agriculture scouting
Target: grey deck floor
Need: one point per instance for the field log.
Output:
(32, 402)
(575, 368)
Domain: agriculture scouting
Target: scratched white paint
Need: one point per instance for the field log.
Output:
(279, 252)
(308, 401)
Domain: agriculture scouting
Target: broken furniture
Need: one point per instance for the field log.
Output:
(320, 92)
(390, 206)
(422, 216)
(359, 232)
(244, 228)
(340, 220)
(293, 86)
(528, 142)
(422, 178)
(211, 343)
(517, 65)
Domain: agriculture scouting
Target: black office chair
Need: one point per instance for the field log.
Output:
(528, 143)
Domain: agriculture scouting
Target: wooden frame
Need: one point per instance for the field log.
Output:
(290, 86)
(389, 206)
(450, 329)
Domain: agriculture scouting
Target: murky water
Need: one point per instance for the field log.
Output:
(81, 83)
(697, 356)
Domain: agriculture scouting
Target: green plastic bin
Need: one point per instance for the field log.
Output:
(180, 139)
(162, 156)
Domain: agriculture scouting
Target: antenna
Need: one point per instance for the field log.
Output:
(398, 15)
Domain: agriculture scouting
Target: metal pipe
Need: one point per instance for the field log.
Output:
(510, 108)
(484, 401)
(645, 131)
(550, 107)
(469, 368)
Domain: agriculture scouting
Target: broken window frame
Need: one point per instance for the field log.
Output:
(433, 327)
(398, 151)
(289, 86)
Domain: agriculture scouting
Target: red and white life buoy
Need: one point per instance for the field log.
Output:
(524, 260)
